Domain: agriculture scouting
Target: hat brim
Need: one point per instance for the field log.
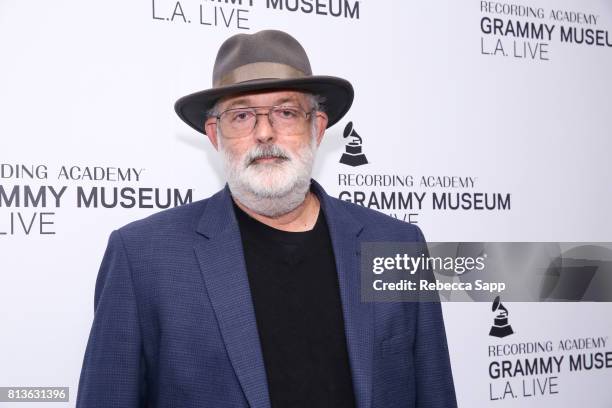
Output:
(338, 94)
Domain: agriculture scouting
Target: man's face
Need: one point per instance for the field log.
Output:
(273, 160)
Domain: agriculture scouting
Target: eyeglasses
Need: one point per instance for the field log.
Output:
(240, 122)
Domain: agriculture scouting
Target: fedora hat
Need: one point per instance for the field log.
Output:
(266, 60)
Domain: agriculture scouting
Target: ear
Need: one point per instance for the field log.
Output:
(322, 119)
(210, 126)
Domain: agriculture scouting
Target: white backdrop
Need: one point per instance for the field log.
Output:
(86, 85)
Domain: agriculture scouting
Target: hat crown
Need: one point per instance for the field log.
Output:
(267, 46)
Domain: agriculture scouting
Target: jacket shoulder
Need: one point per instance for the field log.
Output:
(379, 223)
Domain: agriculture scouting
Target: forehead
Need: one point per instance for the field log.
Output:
(263, 98)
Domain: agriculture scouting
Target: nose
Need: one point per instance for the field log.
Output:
(263, 132)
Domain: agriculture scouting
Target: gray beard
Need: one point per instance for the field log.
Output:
(276, 200)
(272, 207)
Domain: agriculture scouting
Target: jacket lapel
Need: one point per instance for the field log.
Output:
(222, 264)
(221, 260)
(344, 231)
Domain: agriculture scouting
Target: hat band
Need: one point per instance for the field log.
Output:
(259, 70)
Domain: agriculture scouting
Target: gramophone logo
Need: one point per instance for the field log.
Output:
(352, 156)
(501, 328)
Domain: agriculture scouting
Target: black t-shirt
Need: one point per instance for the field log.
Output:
(294, 286)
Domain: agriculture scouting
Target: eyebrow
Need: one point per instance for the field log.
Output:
(286, 99)
(241, 101)
(245, 102)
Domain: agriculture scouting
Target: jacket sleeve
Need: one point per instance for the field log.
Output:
(113, 366)
(434, 378)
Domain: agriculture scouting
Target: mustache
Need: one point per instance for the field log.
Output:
(261, 151)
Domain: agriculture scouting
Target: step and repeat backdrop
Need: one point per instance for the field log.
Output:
(477, 120)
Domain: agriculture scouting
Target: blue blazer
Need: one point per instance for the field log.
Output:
(174, 324)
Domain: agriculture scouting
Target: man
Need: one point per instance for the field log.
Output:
(251, 297)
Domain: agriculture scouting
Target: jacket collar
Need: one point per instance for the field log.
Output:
(219, 213)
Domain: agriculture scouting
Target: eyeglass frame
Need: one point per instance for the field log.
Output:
(270, 109)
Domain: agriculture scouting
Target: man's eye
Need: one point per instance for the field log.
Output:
(240, 116)
(287, 113)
